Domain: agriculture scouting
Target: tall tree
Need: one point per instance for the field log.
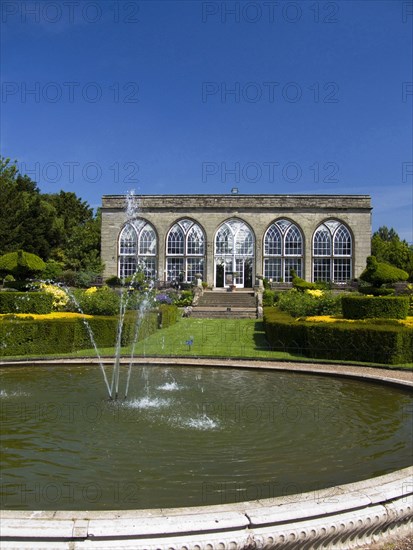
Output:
(387, 246)
(59, 226)
(26, 221)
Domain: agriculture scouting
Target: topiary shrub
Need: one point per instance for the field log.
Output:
(8, 279)
(25, 302)
(375, 307)
(21, 264)
(380, 273)
(370, 290)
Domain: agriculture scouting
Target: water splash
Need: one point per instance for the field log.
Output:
(201, 423)
(170, 386)
(11, 394)
(148, 403)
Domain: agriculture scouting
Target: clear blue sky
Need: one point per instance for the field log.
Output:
(100, 97)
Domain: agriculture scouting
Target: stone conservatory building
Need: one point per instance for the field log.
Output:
(233, 238)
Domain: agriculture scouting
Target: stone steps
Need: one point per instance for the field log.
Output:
(221, 304)
(218, 313)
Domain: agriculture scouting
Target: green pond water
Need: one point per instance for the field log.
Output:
(191, 436)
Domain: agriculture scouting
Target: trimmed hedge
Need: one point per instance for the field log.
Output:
(268, 298)
(375, 343)
(168, 315)
(376, 291)
(26, 302)
(375, 307)
(55, 336)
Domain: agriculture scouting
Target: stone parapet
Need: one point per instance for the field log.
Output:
(244, 203)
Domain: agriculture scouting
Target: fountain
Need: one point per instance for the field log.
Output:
(246, 455)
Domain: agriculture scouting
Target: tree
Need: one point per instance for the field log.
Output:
(59, 227)
(31, 223)
(387, 247)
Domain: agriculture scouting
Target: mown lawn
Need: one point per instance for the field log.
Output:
(225, 338)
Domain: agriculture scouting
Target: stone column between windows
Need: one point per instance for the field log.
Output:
(307, 256)
(161, 252)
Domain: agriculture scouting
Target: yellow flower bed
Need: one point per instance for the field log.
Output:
(91, 290)
(54, 315)
(60, 297)
(408, 322)
(315, 293)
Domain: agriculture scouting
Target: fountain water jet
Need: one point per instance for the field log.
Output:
(131, 211)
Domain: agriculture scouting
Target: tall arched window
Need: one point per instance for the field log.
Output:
(332, 252)
(185, 251)
(283, 251)
(234, 253)
(137, 249)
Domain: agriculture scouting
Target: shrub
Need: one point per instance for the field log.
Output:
(52, 271)
(21, 264)
(68, 277)
(185, 299)
(363, 307)
(25, 302)
(60, 297)
(381, 273)
(358, 341)
(303, 304)
(268, 298)
(375, 291)
(22, 286)
(102, 301)
(266, 283)
(113, 281)
(168, 315)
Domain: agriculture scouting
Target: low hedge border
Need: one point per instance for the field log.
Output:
(26, 302)
(375, 307)
(53, 336)
(370, 343)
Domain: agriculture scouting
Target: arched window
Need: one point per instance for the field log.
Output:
(283, 251)
(234, 252)
(185, 251)
(332, 252)
(137, 249)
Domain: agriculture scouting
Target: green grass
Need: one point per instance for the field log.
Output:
(225, 338)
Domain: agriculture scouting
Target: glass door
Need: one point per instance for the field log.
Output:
(239, 270)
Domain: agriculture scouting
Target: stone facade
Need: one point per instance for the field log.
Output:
(254, 214)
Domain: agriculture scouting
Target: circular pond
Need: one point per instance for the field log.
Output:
(190, 436)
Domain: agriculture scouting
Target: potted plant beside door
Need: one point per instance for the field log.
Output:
(233, 286)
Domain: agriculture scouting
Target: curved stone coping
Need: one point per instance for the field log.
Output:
(340, 517)
(402, 377)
